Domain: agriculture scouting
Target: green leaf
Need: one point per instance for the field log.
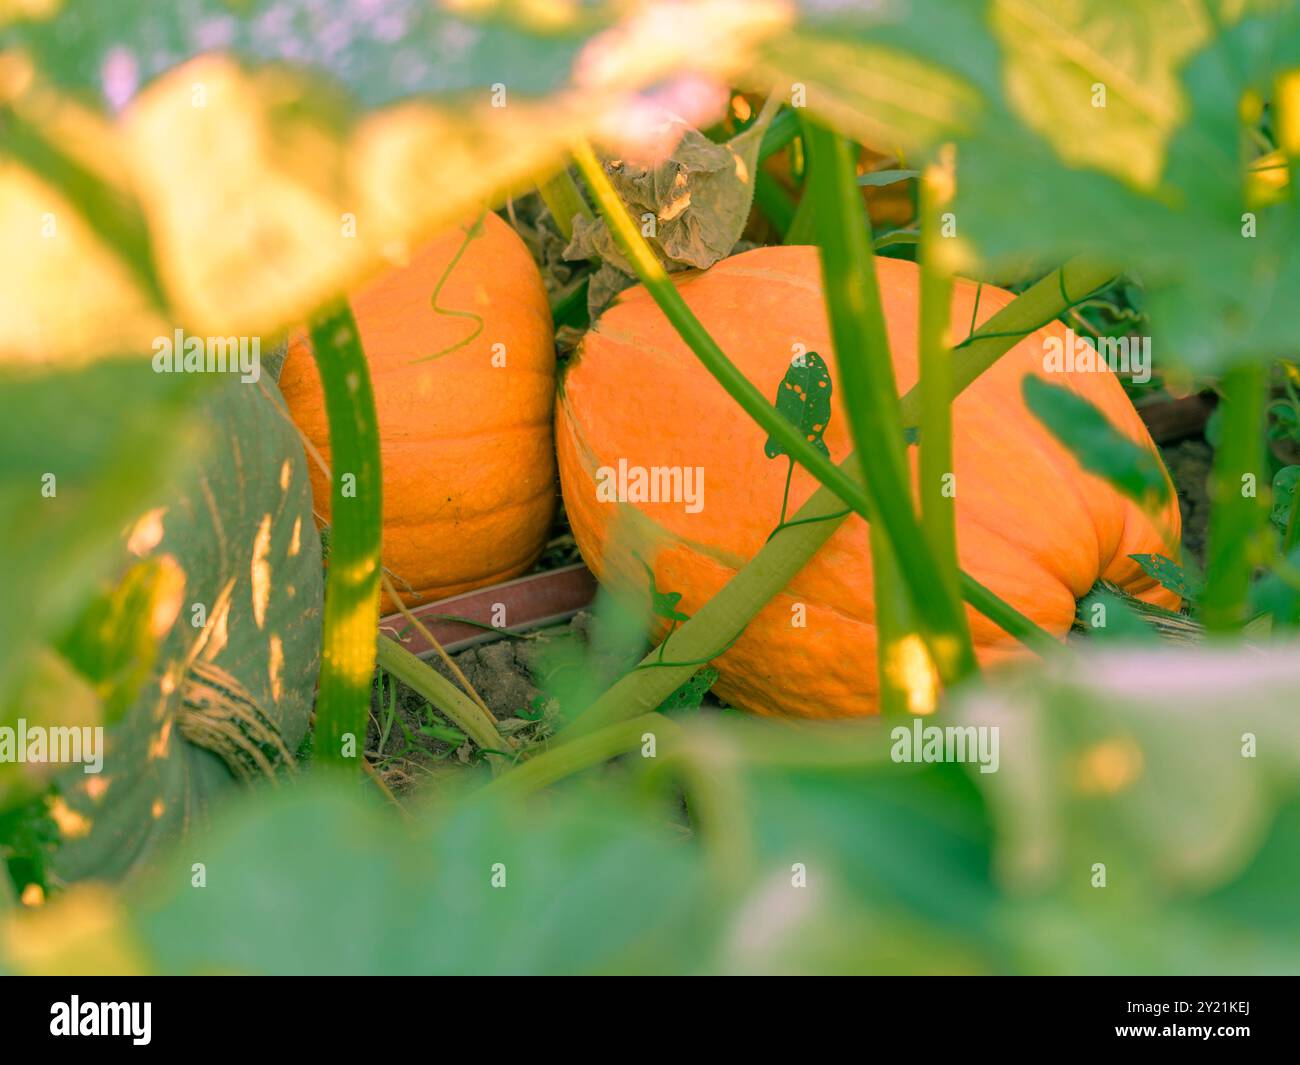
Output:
(664, 604)
(1285, 482)
(1170, 575)
(1100, 448)
(880, 178)
(115, 642)
(804, 399)
(1107, 616)
(441, 732)
(1016, 85)
(382, 55)
(83, 452)
(1093, 769)
(594, 883)
(691, 694)
(335, 118)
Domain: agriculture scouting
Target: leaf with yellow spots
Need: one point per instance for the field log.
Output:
(804, 400)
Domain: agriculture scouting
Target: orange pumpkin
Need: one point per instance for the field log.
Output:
(468, 466)
(1031, 524)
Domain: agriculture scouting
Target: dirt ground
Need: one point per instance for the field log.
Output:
(1189, 464)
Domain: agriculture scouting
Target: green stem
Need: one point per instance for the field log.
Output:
(581, 753)
(352, 584)
(938, 508)
(715, 624)
(561, 195)
(871, 396)
(1237, 516)
(785, 496)
(459, 708)
(783, 129)
(894, 624)
(1007, 617)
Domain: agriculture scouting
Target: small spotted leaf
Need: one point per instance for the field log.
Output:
(804, 399)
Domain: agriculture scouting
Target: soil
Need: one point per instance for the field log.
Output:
(1189, 463)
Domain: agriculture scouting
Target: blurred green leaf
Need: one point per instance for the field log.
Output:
(1098, 445)
(82, 453)
(690, 694)
(880, 178)
(583, 884)
(1285, 482)
(1156, 177)
(350, 132)
(1166, 763)
(114, 643)
(382, 52)
(1171, 576)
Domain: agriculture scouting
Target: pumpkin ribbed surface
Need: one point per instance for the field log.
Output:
(1031, 524)
(469, 473)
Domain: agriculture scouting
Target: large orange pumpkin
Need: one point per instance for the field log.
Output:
(469, 472)
(1032, 525)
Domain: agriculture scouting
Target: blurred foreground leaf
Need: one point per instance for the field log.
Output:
(1100, 448)
(347, 131)
(1131, 131)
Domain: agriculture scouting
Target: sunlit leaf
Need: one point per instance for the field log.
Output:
(347, 132)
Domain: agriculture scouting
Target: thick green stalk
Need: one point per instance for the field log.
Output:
(460, 709)
(899, 688)
(776, 564)
(1238, 515)
(938, 505)
(352, 583)
(583, 752)
(870, 394)
(562, 197)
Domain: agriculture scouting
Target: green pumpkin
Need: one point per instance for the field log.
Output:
(231, 691)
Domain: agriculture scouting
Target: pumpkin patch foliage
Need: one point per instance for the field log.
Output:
(650, 488)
